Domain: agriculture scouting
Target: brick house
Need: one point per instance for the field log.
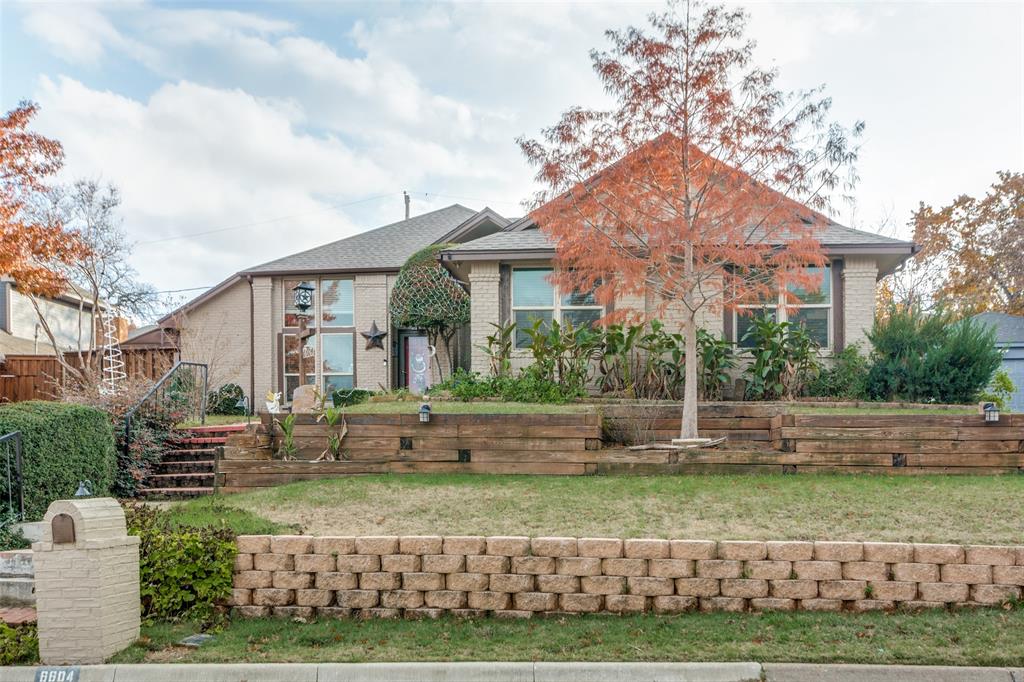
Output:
(245, 327)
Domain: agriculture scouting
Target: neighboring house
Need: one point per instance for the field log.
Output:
(246, 326)
(1009, 337)
(69, 317)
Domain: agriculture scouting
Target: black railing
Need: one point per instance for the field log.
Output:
(179, 395)
(14, 506)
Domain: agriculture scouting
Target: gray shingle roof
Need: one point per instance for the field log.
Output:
(531, 239)
(383, 248)
(526, 240)
(1009, 328)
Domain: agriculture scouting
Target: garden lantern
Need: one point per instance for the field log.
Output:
(243, 404)
(991, 413)
(83, 489)
(302, 295)
(424, 413)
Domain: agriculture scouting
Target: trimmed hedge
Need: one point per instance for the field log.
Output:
(63, 443)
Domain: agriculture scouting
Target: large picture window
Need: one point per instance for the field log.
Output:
(534, 298)
(330, 353)
(810, 309)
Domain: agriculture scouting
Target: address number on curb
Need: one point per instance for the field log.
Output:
(58, 674)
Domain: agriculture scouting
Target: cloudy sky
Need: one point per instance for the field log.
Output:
(280, 126)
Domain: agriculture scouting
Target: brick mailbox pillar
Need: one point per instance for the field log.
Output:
(87, 582)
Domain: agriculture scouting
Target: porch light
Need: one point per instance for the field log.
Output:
(424, 413)
(302, 296)
(991, 413)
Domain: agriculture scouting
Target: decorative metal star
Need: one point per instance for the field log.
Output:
(374, 337)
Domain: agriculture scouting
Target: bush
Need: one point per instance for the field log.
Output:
(784, 359)
(185, 572)
(527, 387)
(999, 390)
(930, 358)
(18, 645)
(846, 378)
(11, 537)
(63, 444)
(347, 397)
(225, 400)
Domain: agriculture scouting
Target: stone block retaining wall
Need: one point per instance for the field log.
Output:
(427, 576)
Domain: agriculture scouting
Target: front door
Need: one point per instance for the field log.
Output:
(414, 362)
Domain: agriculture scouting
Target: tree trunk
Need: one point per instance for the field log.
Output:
(688, 426)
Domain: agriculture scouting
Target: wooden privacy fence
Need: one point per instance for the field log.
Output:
(32, 377)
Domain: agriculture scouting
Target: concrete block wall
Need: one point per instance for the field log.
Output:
(516, 577)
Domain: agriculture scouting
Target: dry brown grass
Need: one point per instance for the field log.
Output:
(975, 509)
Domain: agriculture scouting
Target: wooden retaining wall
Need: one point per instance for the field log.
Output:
(739, 422)
(567, 444)
(761, 440)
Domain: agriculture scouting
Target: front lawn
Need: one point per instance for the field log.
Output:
(964, 509)
(965, 637)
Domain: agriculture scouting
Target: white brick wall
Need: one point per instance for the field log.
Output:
(484, 279)
(860, 273)
(216, 332)
(371, 302)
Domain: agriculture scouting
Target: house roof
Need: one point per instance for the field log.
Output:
(15, 345)
(383, 248)
(529, 238)
(1009, 328)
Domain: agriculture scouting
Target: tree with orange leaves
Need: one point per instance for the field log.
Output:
(972, 251)
(30, 248)
(702, 188)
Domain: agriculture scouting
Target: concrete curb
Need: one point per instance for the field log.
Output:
(525, 672)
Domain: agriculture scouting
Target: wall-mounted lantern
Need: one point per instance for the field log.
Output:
(991, 411)
(302, 296)
(424, 413)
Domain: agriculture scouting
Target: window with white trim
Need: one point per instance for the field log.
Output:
(534, 298)
(810, 309)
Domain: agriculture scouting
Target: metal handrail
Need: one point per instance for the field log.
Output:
(15, 437)
(130, 414)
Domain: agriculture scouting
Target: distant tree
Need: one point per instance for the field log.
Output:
(694, 188)
(102, 276)
(32, 251)
(427, 297)
(972, 251)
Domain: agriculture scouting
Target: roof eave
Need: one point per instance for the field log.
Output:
(502, 254)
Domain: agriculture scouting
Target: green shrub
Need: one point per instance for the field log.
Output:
(18, 645)
(846, 378)
(930, 358)
(999, 390)
(63, 443)
(352, 396)
(529, 386)
(11, 537)
(185, 572)
(225, 400)
(784, 359)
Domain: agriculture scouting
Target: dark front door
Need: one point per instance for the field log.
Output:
(415, 359)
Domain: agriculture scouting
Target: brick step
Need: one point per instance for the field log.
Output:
(179, 455)
(173, 479)
(175, 493)
(197, 466)
(17, 615)
(204, 440)
(218, 428)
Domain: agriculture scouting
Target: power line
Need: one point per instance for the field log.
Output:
(264, 222)
(451, 196)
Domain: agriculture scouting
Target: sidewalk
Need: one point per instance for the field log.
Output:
(526, 672)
